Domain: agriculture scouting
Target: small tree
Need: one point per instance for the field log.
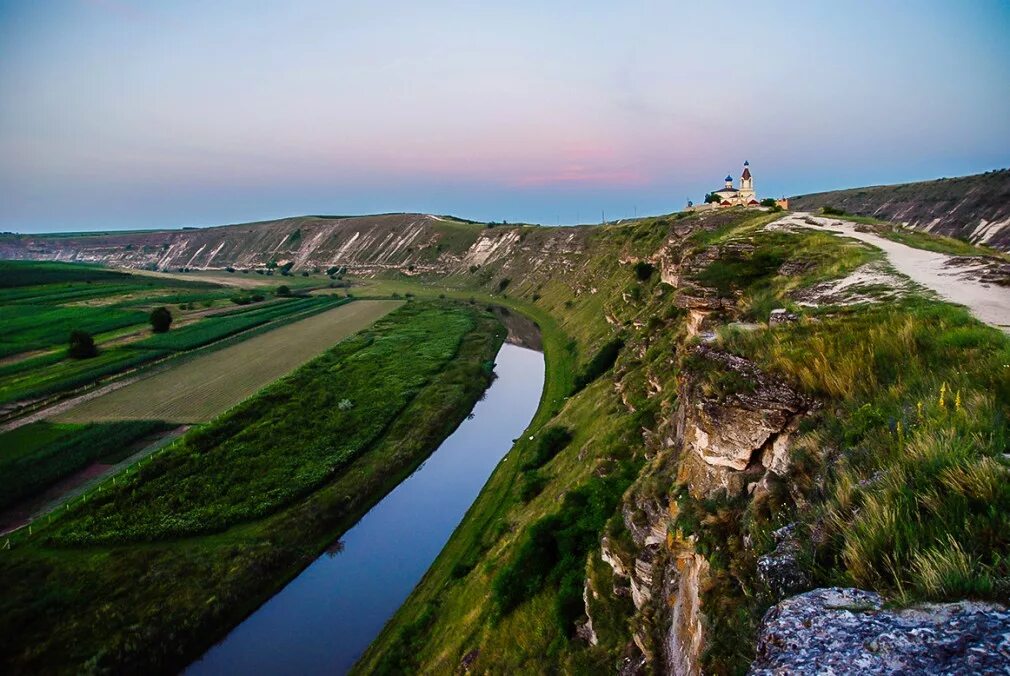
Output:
(82, 345)
(160, 319)
(283, 290)
(768, 202)
(711, 197)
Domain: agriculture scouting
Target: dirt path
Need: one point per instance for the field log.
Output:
(959, 284)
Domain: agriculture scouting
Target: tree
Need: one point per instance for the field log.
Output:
(711, 197)
(283, 290)
(82, 345)
(768, 202)
(160, 319)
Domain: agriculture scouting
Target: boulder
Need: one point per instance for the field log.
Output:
(848, 631)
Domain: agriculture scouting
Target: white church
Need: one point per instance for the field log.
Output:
(730, 196)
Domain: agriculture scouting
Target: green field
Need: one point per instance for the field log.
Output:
(41, 316)
(158, 605)
(221, 326)
(206, 385)
(35, 456)
(31, 327)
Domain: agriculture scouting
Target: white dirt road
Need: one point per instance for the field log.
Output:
(990, 303)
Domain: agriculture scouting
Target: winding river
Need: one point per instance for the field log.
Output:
(323, 620)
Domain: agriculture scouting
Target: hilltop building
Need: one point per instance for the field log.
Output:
(728, 196)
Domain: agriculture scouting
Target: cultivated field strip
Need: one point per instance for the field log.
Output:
(201, 388)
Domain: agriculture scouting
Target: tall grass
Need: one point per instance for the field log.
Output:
(918, 502)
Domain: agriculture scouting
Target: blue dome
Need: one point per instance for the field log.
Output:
(746, 163)
(728, 178)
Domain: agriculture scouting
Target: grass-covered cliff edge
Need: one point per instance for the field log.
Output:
(694, 464)
(696, 457)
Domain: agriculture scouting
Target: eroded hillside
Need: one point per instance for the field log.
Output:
(745, 420)
(973, 208)
(365, 245)
(776, 421)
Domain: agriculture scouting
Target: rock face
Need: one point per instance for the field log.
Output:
(730, 440)
(975, 208)
(365, 245)
(848, 631)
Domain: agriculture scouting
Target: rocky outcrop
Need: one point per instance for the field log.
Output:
(974, 208)
(730, 439)
(848, 631)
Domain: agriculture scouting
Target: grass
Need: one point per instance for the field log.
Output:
(923, 404)
(54, 373)
(137, 607)
(206, 384)
(215, 328)
(31, 327)
(42, 453)
(240, 468)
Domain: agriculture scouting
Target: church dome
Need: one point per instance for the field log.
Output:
(728, 178)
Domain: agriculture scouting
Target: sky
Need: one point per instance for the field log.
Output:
(120, 114)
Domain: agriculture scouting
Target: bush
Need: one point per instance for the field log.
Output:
(503, 284)
(599, 364)
(768, 202)
(160, 319)
(551, 442)
(533, 484)
(829, 210)
(553, 552)
(283, 290)
(82, 345)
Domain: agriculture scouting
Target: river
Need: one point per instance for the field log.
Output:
(323, 620)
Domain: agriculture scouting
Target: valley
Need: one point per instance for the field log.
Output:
(733, 404)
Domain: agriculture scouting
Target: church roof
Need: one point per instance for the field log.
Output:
(746, 171)
(722, 190)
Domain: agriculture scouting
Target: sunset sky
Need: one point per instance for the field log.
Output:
(117, 114)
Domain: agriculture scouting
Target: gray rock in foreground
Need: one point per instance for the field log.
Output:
(847, 631)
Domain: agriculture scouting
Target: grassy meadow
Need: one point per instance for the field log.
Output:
(202, 385)
(226, 535)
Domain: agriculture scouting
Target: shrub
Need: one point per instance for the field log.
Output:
(82, 345)
(829, 210)
(161, 319)
(533, 484)
(553, 552)
(503, 284)
(283, 290)
(599, 364)
(768, 202)
(551, 442)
